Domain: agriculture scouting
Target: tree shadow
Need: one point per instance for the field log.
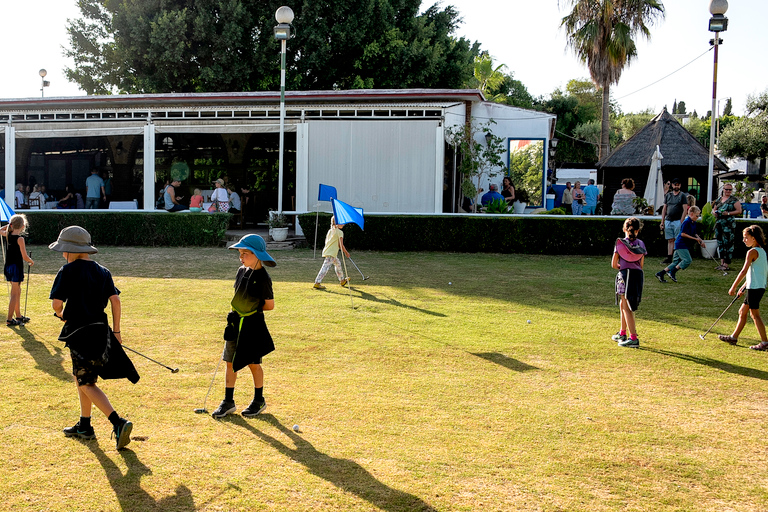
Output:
(713, 363)
(127, 487)
(392, 302)
(50, 363)
(505, 361)
(347, 475)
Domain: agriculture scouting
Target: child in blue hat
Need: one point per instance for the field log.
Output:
(247, 336)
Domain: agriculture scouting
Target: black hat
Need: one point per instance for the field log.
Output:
(675, 180)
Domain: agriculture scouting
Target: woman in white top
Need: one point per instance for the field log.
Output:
(220, 195)
(36, 199)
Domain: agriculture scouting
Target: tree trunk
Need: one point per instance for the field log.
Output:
(605, 125)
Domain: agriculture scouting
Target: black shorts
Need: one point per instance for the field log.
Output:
(229, 353)
(753, 297)
(14, 273)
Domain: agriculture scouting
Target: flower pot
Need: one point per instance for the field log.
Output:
(519, 207)
(710, 249)
(279, 234)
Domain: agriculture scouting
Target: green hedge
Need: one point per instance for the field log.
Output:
(536, 234)
(131, 228)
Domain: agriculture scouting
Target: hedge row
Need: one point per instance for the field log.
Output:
(131, 228)
(529, 234)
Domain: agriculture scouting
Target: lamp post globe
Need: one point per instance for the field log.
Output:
(42, 73)
(284, 14)
(718, 6)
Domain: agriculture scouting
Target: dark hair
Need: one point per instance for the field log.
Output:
(628, 183)
(632, 227)
(756, 232)
(508, 179)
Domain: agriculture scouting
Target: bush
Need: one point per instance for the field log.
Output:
(131, 228)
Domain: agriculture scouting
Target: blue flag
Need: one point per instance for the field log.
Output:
(5, 211)
(346, 214)
(326, 193)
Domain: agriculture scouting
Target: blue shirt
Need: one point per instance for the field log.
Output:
(590, 194)
(94, 184)
(490, 197)
(688, 227)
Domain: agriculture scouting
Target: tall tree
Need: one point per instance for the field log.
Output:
(601, 32)
(747, 137)
(146, 46)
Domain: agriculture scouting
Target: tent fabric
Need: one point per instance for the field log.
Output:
(6, 212)
(654, 188)
(346, 214)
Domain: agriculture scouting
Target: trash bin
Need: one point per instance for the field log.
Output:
(550, 201)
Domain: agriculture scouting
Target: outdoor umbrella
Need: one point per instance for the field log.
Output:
(5, 215)
(654, 188)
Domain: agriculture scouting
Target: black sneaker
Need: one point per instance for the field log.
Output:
(254, 409)
(671, 274)
(660, 276)
(78, 431)
(225, 407)
(122, 433)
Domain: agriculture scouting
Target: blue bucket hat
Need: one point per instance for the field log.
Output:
(257, 246)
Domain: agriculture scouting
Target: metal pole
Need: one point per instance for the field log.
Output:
(712, 125)
(282, 128)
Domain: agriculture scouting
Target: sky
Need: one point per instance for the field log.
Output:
(523, 35)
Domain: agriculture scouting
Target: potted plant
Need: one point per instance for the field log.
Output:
(278, 226)
(497, 206)
(521, 200)
(706, 226)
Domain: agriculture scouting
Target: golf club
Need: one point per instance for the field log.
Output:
(712, 256)
(702, 336)
(26, 295)
(173, 370)
(203, 410)
(358, 269)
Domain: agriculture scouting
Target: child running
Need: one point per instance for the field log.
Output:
(86, 287)
(756, 270)
(334, 240)
(628, 259)
(14, 266)
(681, 258)
(251, 340)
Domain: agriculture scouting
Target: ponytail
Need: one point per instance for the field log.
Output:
(632, 227)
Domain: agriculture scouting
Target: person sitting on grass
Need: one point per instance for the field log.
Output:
(247, 337)
(85, 287)
(681, 258)
(756, 271)
(334, 240)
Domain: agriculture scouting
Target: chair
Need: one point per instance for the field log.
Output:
(35, 203)
(237, 219)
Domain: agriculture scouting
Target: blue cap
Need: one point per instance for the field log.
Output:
(257, 246)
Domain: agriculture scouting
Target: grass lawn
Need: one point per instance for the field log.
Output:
(423, 389)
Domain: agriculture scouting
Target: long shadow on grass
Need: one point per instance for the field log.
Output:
(347, 475)
(128, 488)
(713, 363)
(50, 363)
(391, 302)
(505, 361)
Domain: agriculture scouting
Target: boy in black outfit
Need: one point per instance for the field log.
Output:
(248, 338)
(86, 287)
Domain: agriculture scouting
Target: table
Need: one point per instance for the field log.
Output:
(124, 205)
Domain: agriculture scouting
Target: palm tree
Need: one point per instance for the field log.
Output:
(601, 33)
(487, 78)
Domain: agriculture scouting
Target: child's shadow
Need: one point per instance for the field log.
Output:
(347, 475)
(368, 296)
(50, 363)
(128, 488)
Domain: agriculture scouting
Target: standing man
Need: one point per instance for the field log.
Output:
(591, 195)
(673, 212)
(94, 187)
(172, 203)
(567, 200)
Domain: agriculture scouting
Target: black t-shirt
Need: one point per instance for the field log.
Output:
(85, 287)
(675, 204)
(252, 289)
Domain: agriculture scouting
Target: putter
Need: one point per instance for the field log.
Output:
(26, 295)
(358, 269)
(712, 256)
(702, 336)
(173, 370)
(203, 410)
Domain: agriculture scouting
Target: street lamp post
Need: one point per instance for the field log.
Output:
(45, 82)
(717, 23)
(284, 17)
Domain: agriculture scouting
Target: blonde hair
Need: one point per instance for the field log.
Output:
(694, 209)
(691, 200)
(198, 192)
(18, 221)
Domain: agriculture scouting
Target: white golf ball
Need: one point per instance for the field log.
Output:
(450, 283)
(295, 428)
(529, 321)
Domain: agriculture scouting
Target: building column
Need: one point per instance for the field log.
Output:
(439, 167)
(10, 164)
(149, 167)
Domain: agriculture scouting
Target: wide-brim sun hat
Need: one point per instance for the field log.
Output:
(74, 239)
(257, 246)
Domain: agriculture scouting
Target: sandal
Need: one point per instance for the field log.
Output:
(763, 345)
(22, 319)
(12, 322)
(732, 341)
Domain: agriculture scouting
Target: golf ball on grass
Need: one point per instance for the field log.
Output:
(528, 321)
(295, 428)
(450, 282)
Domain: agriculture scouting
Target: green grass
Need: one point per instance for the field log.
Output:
(411, 394)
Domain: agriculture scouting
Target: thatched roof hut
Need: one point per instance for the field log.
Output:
(684, 157)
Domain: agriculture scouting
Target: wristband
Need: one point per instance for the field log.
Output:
(115, 332)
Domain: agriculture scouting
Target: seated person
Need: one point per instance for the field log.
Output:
(234, 199)
(491, 196)
(172, 203)
(69, 200)
(196, 201)
(36, 197)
